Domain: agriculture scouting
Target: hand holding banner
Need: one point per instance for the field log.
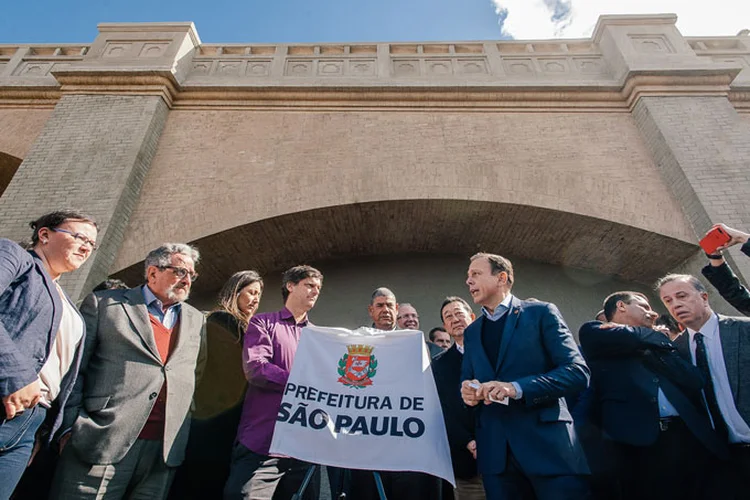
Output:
(363, 399)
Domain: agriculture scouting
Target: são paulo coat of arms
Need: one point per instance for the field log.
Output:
(358, 366)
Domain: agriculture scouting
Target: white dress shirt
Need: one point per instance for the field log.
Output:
(739, 432)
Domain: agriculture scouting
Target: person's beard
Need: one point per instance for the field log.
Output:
(174, 293)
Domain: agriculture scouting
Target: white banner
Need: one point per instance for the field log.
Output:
(363, 399)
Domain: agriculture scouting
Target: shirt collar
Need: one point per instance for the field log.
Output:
(709, 329)
(150, 298)
(501, 308)
(286, 314)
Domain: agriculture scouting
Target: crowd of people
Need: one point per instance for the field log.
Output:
(137, 394)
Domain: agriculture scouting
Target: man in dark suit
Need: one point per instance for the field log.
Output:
(719, 346)
(520, 362)
(459, 418)
(720, 275)
(649, 402)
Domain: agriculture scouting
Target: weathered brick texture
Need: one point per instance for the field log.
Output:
(702, 148)
(19, 127)
(242, 166)
(93, 154)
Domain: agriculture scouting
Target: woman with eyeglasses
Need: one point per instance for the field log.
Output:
(220, 392)
(41, 335)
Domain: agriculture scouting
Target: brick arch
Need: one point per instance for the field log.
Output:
(8, 166)
(457, 227)
(217, 170)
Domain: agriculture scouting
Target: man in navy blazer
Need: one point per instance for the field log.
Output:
(520, 362)
(648, 398)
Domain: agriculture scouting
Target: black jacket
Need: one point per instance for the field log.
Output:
(459, 419)
(628, 366)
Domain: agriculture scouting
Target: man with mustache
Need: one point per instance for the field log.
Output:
(129, 413)
(384, 312)
(383, 309)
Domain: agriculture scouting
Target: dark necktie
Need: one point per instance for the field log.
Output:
(701, 361)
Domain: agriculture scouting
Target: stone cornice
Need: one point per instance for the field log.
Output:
(187, 27)
(29, 97)
(161, 84)
(639, 85)
(629, 20)
(532, 98)
(404, 98)
(627, 57)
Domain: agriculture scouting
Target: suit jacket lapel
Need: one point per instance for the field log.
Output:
(135, 308)
(729, 335)
(510, 328)
(56, 300)
(481, 353)
(682, 344)
(187, 325)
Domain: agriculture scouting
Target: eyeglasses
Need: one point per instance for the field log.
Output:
(81, 238)
(181, 272)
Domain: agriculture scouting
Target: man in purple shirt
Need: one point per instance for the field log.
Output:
(269, 348)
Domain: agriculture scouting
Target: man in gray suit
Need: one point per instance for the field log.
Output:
(720, 347)
(129, 412)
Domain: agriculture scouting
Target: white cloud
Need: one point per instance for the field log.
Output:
(533, 19)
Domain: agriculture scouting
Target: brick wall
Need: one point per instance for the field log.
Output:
(238, 166)
(19, 127)
(702, 148)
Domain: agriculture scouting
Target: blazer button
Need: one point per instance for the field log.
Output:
(152, 395)
(656, 380)
(653, 400)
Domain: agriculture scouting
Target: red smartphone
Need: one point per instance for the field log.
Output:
(714, 239)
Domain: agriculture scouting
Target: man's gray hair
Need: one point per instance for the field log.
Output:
(697, 284)
(382, 292)
(162, 256)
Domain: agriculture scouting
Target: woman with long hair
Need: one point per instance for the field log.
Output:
(220, 391)
(41, 335)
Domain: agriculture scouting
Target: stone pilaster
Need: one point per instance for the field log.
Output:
(680, 104)
(96, 149)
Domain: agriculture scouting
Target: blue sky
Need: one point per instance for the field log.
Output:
(257, 21)
(290, 21)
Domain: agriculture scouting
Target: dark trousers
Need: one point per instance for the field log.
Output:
(259, 477)
(514, 484)
(397, 485)
(339, 481)
(676, 466)
(208, 455)
(741, 469)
